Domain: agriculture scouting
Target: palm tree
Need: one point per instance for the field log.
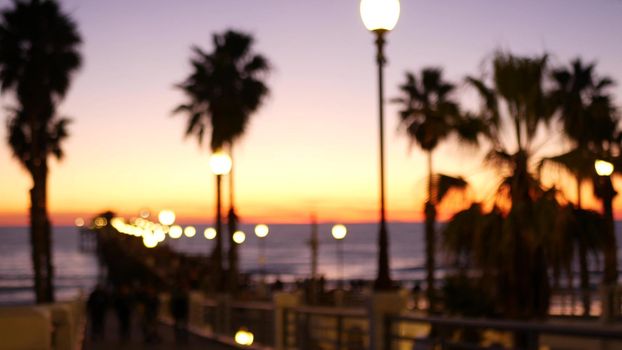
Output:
(38, 55)
(575, 91)
(429, 116)
(517, 104)
(224, 89)
(588, 121)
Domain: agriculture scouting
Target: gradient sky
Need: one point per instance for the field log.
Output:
(313, 146)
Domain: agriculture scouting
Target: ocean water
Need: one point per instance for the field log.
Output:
(287, 256)
(74, 271)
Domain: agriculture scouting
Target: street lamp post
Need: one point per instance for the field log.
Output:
(606, 192)
(220, 164)
(339, 232)
(261, 231)
(380, 17)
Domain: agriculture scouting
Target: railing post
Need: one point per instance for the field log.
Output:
(387, 335)
(223, 315)
(380, 306)
(195, 318)
(282, 301)
(533, 340)
(339, 332)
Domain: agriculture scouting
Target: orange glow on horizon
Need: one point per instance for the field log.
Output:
(312, 147)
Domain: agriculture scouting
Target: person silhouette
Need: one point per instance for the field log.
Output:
(123, 309)
(97, 304)
(179, 305)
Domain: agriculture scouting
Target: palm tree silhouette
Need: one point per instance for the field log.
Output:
(589, 123)
(224, 89)
(575, 93)
(429, 116)
(38, 55)
(517, 103)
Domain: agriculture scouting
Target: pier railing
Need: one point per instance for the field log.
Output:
(308, 328)
(410, 331)
(256, 317)
(385, 324)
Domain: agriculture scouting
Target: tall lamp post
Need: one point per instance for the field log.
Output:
(220, 164)
(380, 17)
(261, 231)
(339, 232)
(606, 192)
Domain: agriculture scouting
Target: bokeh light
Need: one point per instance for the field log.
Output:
(239, 237)
(175, 231)
(339, 231)
(166, 217)
(210, 233)
(190, 231)
(261, 230)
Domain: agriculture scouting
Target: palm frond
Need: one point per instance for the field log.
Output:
(444, 184)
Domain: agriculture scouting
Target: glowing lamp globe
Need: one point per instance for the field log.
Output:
(190, 231)
(100, 222)
(149, 240)
(603, 167)
(220, 163)
(380, 15)
(244, 337)
(339, 232)
(166, 217)
(239, 237)
(175, 232)
(261, 230)
(159, 235)
(79, 222)
(145, 213)
(210, 233)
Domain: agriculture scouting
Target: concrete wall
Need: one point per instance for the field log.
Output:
(58, 326)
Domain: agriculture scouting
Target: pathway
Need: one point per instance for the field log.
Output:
(167, 339)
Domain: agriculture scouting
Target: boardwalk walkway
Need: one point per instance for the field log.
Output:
(167, 339)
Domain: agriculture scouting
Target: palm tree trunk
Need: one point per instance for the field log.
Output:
(585, 280)
(232, 225)
(610, 275)
(570, 287)
(40, 235)
(430, 246)
(217, 250)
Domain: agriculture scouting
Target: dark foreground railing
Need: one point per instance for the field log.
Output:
(415, 332)
(309, 328)
(286, 324)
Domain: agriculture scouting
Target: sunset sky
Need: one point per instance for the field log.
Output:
(313, 146)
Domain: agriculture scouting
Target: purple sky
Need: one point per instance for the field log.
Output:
(322, 109)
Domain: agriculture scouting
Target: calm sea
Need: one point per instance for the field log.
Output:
(287, 253)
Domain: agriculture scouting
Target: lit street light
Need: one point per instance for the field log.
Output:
(605, 191)
(244, 337)
(603, 167)
(210, 233)
(239, 237)
(379, 17)
(190, 231)
(166, 217)
(339, 232)
(175, 231)
(261, 231)
(79, 222)
(220, 164)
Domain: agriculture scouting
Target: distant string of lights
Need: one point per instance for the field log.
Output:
(154, 233)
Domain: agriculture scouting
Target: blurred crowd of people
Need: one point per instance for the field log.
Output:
(136, 306)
